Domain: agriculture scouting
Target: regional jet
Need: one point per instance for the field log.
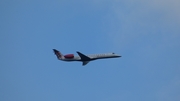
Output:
(85, 59)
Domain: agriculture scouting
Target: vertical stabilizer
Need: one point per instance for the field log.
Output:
(58, 54)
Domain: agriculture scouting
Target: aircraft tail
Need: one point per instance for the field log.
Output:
(58, 54)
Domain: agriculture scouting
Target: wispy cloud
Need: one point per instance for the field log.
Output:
(150, 28)
(130, 21)
(170, 91)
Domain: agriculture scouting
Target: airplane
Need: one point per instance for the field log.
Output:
(85, 59)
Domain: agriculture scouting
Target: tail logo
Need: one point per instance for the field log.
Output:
(58, 54)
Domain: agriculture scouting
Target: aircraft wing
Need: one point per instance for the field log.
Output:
(83, 57)
(85, 62)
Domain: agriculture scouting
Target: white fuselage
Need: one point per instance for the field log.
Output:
(83, 58)
(93, 57)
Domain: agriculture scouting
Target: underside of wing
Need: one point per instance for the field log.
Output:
(85, 62)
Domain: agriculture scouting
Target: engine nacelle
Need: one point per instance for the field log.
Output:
(69, 56)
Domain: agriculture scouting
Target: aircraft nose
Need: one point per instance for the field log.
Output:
(119, 56)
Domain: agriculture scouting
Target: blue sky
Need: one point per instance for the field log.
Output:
(145, 33)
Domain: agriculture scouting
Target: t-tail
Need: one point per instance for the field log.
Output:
(58, 54)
